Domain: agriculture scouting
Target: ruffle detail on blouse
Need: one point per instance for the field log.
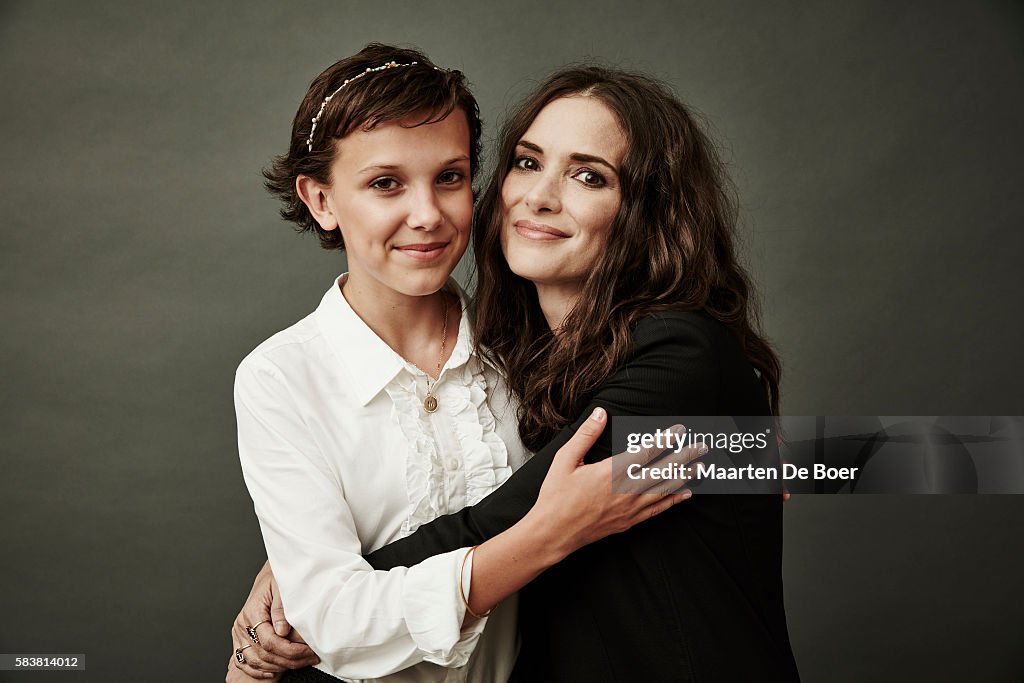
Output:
(484, 453)
(424, 472)
(462, 395)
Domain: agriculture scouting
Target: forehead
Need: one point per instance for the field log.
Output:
(578, 124)
(403, 141)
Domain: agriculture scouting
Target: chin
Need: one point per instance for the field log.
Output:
(530, 268)
(424, 282)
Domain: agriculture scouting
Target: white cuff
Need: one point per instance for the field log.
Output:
(435, 611)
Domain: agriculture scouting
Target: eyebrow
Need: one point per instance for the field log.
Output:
(575, 156)
(394, 167)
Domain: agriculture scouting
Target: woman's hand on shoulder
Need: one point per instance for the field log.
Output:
(271, 644)
(580, 503)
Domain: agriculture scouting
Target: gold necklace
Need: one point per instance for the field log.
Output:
(430, 400)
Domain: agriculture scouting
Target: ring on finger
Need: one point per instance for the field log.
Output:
(239, 657)
(251, 630)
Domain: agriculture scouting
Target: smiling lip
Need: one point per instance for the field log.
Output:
(538, 231)
(425, 251)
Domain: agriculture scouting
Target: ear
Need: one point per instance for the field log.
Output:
(314, 196)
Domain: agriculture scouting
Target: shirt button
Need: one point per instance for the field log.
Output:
(453, 464)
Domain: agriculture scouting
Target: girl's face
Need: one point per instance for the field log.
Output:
(403, 201)
(562, 193)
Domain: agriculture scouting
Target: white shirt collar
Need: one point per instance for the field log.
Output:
(367, 361)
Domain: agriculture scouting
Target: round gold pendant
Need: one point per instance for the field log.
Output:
(430, 403)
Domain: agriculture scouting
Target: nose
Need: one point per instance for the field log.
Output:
(424, 210)
(545, 195)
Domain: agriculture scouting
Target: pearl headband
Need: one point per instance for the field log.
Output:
(369, 70)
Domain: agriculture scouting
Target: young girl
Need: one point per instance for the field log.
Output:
(375, 414)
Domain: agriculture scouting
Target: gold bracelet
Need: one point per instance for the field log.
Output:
(462, 592)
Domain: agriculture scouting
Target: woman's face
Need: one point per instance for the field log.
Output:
(403, 200)
(562, 193)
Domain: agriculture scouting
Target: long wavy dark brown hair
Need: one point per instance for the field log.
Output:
(671, 246)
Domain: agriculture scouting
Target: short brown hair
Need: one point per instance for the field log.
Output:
(392, 95)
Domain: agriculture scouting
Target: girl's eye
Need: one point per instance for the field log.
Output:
(450, 177)
(384, 184)
(590, 178)
(526, 163)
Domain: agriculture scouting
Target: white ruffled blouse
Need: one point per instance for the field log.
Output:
(340, 458)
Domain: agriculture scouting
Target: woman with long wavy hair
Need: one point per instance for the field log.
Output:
(607, 277)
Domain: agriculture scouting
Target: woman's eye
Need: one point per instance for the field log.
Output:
(384, 184)
(526, 163)
(590, 178)
(450, 177)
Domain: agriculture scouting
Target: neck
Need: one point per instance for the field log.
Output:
(556, 301)
(412, 326)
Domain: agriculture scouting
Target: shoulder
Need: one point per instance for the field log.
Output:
(684, 363)
(673, 360)
(688, 358)
(280, 354)
(678, 329)
(678, 341)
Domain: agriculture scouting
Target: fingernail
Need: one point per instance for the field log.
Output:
(598, 415)
(702, 449)
(686, 494)
(280, 628)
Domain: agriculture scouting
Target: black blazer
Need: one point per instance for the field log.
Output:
(692, 595)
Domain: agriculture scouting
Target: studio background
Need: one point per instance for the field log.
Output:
(876, 151)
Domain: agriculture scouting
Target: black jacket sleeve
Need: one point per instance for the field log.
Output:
(672, 370)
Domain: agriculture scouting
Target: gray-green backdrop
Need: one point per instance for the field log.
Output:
(876, 148)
